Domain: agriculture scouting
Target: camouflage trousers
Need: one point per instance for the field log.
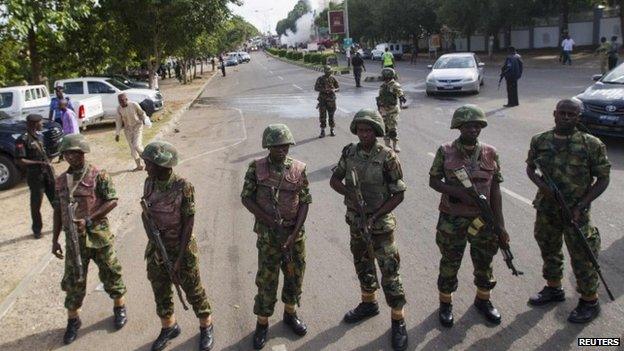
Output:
(390, 117)
(109, 272)
(389, 261)
(550, 232)
(269, 265)
(452, 237)
(326, 108)
(190, 280)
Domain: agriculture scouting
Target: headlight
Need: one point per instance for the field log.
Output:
(580, 102)
(469, 80)
(430, 79)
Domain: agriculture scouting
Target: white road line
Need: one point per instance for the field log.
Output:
(280, 77)
(343, 110)
(431, 154)
(297, 87)
(281, 347)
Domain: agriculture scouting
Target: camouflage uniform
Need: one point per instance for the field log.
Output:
(381, 176)
(269, 241)
(388, 103)
(95, 187)
(326, 99)
(572, 166)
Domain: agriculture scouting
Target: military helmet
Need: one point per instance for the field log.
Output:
(370, 117)
(327, 69)
(74, 142)
(468, 113)
(388, 73)
(277, 134)
(161, 153)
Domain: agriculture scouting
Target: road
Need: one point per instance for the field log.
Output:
(221, 134)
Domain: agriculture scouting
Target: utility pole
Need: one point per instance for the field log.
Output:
(346, 10)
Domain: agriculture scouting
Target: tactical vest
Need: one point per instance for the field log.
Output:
(370, 173)
(327, 84)
(84, 194)
(386, 96)
(481, 174)
(166, 209)
(287, 184)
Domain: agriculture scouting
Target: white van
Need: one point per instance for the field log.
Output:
(395, 48)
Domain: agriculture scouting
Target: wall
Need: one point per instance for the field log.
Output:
(520, 39)
(545, 37)
(582, 33)
(610, 27)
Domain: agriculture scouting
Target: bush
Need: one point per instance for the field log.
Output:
(281, 52)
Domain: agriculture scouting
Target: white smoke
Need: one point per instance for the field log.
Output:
(303, 31)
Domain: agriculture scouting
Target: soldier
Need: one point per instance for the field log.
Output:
(32, 155)
(276, 192)
(382, 189)
(327, 86)
(460, 221)
(572, 159)
(93, 192)
(390, 93)
(171, 202)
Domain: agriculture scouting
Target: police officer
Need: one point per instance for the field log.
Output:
(93, 192)
(358, 66)
(512, 72)
(382, 188)
(32, 155)
(277, 193)
(387, 59)
(460, 219)
(390, 93)
(171, 203)
(326, 85)
(577, 163)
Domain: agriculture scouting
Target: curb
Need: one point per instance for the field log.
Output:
(314, 68)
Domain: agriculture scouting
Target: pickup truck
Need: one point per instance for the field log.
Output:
(20, 101)
(108, 89)
(10, 130)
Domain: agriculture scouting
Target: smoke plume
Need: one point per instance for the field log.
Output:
(302, 33)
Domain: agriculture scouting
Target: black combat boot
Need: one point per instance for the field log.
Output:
(399, 335)
(295, 324)
(260, 336)
(331, 132)
(206, 339)
(120, 316)
(488, 310)
(446, 314)
(363, 311)
(322, 135)
(73, 324)
(165, 335)
(584, 312)
(547, 295)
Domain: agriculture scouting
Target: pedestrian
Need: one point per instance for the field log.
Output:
(614, 55)
(460, 220)
(276, 191)
(178, 71)
(171, 203)
(222, 64)
(387, 59)
(512, 72)
(358, 65)
(131, 118)
(577, 163)
(69, 121)
(382, 190)
(603, 51)
(32, 155)
(92, 192)
(326, 85)
(348, 56)
(390, 94)
(55, 112)
(213, 63)
(567, 45)
(169, 68)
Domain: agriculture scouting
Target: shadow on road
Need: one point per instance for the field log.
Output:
(46, 340)
(322, 340)
(455, 335)
(265, 152)
(320, 174)
(23, 238)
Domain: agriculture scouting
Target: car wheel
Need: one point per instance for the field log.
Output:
(430, 93)
(482, 82)
(9, 174)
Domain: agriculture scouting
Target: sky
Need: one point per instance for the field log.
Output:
(265, 14)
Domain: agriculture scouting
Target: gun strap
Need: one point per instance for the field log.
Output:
(39, 148)
(70, 178)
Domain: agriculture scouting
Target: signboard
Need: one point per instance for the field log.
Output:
(434, 41)
(336, 22)
(347, 42)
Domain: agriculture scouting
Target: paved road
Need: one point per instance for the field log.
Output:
(220, 135)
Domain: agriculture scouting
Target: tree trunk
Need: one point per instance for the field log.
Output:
(468, 41)
(194, 68)
(35, 60)
(565, 14)
(201, 70)
(184, 71)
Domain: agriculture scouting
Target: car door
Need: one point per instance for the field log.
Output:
(108, 94)
(75, 89)
(479, 66)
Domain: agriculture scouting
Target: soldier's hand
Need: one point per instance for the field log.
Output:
(288, 244)
(547, 192)
(81, 225)
(117, 138)
(503, 238)
(57, 250)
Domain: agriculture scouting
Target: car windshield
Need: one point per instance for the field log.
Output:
(6, 100)
(616, 76)
(454, 62)
(117, 84)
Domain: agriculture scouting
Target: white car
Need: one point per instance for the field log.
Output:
(108, 89)
(395, 48)
(456, 72)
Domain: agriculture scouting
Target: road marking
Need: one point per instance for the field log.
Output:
(281, 347)
(297, 87)
(343, 110)
(431, 154)
(280, 77)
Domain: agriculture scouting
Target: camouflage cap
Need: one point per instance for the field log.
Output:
(468, 113)
(74, 142)
(277, 134)
(370, 117)
(388, 73)
(161, 153)
(327, 69)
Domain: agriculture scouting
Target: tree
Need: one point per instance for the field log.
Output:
(464, 16)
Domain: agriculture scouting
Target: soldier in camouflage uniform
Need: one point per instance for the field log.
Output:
(460, 219)
(382, 187)
(93, 191)
(390, 93)
(326, 85)
(277, 193)
(577, 162)
(171, 202)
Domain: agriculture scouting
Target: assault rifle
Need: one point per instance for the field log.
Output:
(287, 255)
(72, 232)
(568, 218)
(488, 216)
(153, 234)
(361, 209)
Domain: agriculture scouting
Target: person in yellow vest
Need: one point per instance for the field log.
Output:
(387, 59)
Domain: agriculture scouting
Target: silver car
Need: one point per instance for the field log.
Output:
(457, 72)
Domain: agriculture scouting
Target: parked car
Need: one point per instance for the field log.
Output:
(108, 89)
(235, 55)
(132, 83)
(457, 72)
(245, 57)
(602, 104)
(366, 54)
(10, 130)
(395, 48)
(231, 60)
